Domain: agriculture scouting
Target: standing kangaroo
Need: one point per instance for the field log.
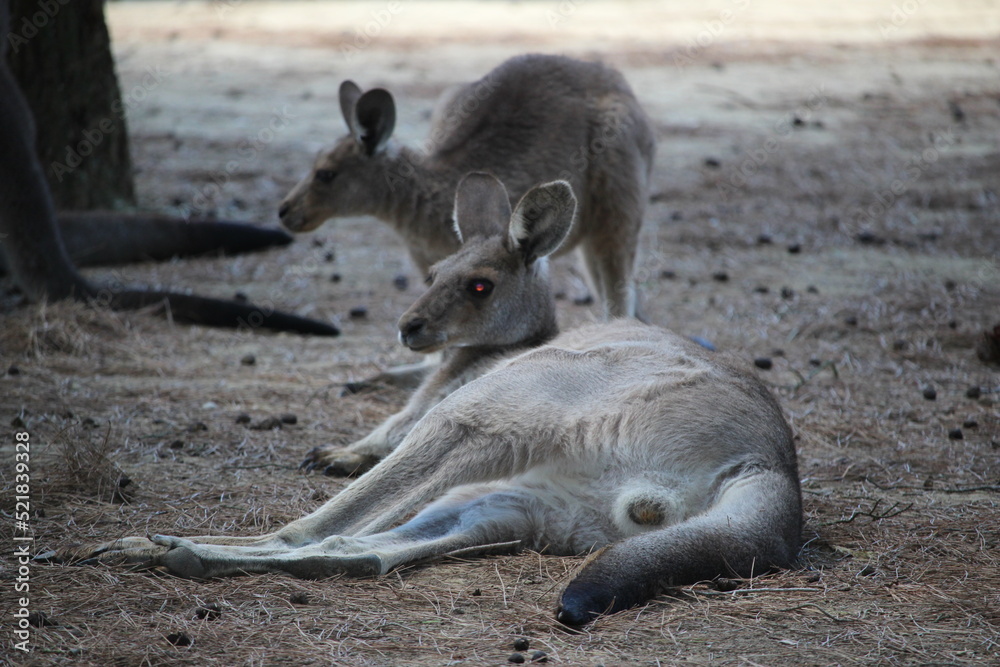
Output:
(533, 119)
(620, 437)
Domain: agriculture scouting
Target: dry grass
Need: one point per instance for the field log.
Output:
(900, 565)
(85, 466)
(68, 328)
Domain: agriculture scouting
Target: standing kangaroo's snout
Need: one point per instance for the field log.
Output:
(349, 178)
(292, 210)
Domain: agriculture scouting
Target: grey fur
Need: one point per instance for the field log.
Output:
(533, 119)
(673, 463)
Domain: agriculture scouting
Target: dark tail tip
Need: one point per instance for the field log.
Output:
(192, 309)
(573, 617)
(581, 604)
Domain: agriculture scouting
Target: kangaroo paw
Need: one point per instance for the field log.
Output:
(349, 464)
(401, 377)
(338, 461)
(360, 387)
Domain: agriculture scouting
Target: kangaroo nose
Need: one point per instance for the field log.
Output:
(412, 328)
(283, 210)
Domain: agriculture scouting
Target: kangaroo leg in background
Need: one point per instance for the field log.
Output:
(37, 257)
(35, 253)
(609, 252)
(610, 263)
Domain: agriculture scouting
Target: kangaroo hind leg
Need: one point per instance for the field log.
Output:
(473, 519)
(753, 527)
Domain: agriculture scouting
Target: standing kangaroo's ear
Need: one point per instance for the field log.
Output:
(349, 94)
(370, 116)
(482, 206)
(542, 220)
(373, 120)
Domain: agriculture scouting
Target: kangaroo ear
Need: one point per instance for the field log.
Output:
(481, 206)
(349, 94)
(373, 119)
(542, 220)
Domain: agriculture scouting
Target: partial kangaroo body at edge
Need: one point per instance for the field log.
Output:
(33, 251)
(533, 119)
(673, 462)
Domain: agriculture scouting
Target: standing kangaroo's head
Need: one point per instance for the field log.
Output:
(349, 179)
(494, 291)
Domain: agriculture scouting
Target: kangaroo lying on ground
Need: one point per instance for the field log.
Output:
(533, 119)
(622, 437)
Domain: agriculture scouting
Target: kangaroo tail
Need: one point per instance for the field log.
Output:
(754, 527)
(193, 309)
(111, 237)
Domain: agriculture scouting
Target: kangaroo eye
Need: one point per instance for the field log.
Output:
(325, 175)
(479, 288)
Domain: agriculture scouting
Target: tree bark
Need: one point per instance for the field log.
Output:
(60, 54)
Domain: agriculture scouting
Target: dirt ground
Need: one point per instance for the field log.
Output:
(826, 195)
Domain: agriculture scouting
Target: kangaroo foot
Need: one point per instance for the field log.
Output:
(127, 550)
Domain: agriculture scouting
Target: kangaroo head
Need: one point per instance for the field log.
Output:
(348, 179)
(494, 291)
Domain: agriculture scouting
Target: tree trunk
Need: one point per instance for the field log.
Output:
(60, 54)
